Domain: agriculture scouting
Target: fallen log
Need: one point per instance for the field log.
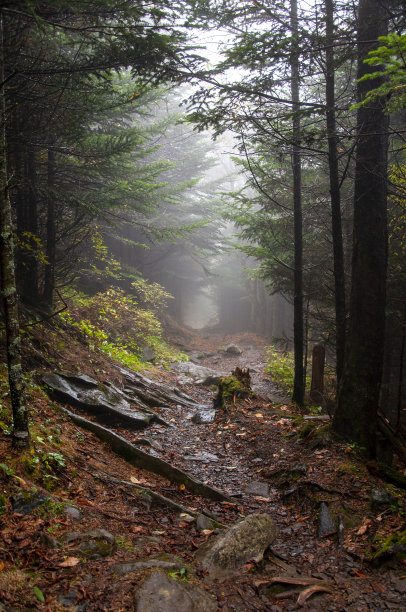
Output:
(161, 499)
(143, 460)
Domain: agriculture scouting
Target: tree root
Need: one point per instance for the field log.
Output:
(143, 460)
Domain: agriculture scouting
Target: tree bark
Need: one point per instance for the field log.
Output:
(358, 397)
(8, 285)
(298, 384)
(49, 278)
(337, 235)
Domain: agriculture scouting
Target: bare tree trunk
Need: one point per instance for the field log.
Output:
(337, 235)
(359, 390)
(49, 279)
(299, 383)
(8, 283)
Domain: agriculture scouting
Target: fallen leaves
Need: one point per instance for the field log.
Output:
(366, 524)
(69, 562)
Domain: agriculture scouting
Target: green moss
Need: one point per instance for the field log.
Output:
(229, 388)
(393, 546)
(306, 430)
(3, 503)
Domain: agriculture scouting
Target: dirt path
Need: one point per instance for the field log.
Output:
(252, 452)
(242, 452)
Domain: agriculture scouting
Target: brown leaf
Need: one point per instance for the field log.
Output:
(366, 523)
(69, 562)
(315, 588)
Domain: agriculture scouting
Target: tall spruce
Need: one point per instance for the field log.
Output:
(358, 395)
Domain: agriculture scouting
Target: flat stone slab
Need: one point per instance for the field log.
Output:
(160, 593)
(108, 405)
(257, 488)
(224, 554)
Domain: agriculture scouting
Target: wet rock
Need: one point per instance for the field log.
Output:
(93, 544)
(257, 488)
(148, 354)
(203, 522)
(233, 349)
(73, 513)
(326, 521)
(68, 599)
(197, 372)
(381, 498)
(248, 539)
(163, 561)
(203, 417)
(160, 593)
(108, 404)
(204, 457)
(26, 501)
(148, 442)
(49, 541)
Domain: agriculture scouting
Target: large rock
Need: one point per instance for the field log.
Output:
(248, 539)
(160, 593)
(197, 372)
(204, 416)
(108, 404)
(233, 349)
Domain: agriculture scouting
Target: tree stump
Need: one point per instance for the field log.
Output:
(317, 385)
(233, 387)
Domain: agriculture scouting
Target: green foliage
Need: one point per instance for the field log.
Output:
(390, 57)
(114, 323)
(281, 368)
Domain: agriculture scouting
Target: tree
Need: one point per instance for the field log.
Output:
(8, 284)
(358, 394)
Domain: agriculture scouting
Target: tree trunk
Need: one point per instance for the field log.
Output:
(338, 251)
(298, 384)
(8, 284)
(49, 278)
(358, 397)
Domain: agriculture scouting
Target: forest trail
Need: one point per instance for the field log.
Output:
(253, 452)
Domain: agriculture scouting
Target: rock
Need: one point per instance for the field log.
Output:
(108, 404)
(49, 541)
(233, 349)
(160, 593)
(203, 417)
(326, 521)
(163, 561)
(248, 539)
(257, 488)
(197, 372)
(26, 501)
(148, 442)
(381, 498)
(73, 513)
(204, 456)
(148, 354)
(203, 522)
(93, 544)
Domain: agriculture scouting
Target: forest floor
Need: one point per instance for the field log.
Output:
(252, 452)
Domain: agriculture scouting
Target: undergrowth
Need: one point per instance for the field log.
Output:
(121, 326)
(281, 368)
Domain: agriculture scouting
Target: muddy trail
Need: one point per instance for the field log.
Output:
(265, 459)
